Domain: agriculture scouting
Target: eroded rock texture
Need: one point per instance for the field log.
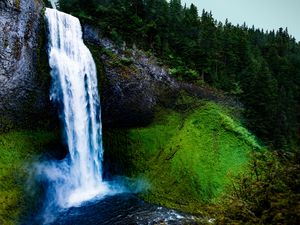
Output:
(133, 84)
(24, 88)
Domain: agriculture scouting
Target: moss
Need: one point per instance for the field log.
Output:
(18, 5)
(5, 124)
(17, 149)
(186, 156)
(124, 65)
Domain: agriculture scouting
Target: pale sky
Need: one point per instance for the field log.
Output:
(266, 14)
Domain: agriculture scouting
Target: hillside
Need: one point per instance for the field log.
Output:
(196, 116)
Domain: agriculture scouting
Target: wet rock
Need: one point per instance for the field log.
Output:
(134, 84)
(23, 89)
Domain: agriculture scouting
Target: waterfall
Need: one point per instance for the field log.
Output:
(53, 3)
(74, 88)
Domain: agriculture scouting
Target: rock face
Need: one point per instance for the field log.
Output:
(23, 89)
(178, 147)
(133, 84)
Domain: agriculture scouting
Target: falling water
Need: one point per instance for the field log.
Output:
(53, 3)
(79, 177)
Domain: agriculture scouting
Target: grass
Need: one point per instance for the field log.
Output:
(17, 150)
(188, 157)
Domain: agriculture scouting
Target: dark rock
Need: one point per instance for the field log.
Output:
(24, 90)
(133, 85)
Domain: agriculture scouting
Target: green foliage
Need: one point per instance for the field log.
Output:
(120, 62)
(17, 5)
(124, 65)
(17, 149)
(267, 194)
(182, 73)
(258, 68)
(5, 125)
(261, 69)
(186, 156)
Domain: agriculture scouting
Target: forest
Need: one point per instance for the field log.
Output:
(261, 69)
(145, 112)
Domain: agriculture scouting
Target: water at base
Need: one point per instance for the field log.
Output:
(121, 209)
(77, 178)
(75, 191)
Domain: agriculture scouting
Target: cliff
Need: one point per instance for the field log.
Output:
(155, 129)
(24, 81)
(133, 83)
(181, 143)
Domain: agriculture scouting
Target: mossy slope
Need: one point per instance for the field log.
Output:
(17, 149)
(186, 158)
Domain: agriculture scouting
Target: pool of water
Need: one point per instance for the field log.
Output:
(118, 209)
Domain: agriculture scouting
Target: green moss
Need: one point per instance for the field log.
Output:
(18, 5)
(187, 156)
(5, 124)
(123, 61)
(122, 64)
(17, 149)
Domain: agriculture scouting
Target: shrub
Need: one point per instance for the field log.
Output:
(267, 194)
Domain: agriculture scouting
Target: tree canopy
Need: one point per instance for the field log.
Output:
(261, 69)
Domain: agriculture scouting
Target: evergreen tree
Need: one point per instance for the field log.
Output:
(261, 69)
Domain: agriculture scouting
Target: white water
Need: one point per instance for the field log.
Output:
(79, 177)
(53, 3)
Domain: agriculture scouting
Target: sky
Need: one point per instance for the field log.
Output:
(266, 14)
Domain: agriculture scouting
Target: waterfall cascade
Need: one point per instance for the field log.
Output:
(53, 3)
(74, 87)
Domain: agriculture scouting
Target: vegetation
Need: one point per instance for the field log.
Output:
(260, 68)
(197, 153)
(185, 157)
(267, 194)
(17, 149)
(203, 161)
